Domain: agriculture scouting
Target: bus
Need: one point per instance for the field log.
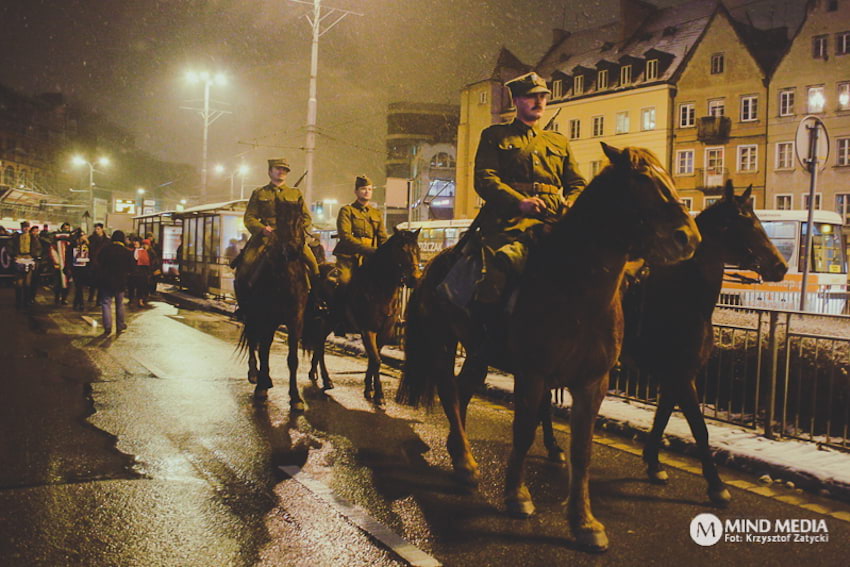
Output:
(826, 285)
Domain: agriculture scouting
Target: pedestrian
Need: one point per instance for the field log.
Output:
(261, 218)
(360, 229)
(81, 268)
(97, 240)
(523, 173)
(139, 275)
(155, 267)
(27, 250)
(60, 255)
(115, 261)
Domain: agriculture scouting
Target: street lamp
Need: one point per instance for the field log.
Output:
(241, 171)
(330, 203)
(103, 162)
(209, 116)
(141, 193)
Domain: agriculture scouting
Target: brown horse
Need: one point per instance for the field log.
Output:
(277, 296)
(370, 306)
(565, 329)
(668, 320)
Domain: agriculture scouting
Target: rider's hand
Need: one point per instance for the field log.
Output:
(267, 229)
(531, 206)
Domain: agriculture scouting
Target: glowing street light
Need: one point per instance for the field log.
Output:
(208, 116)
(241, 171)
(79, 160)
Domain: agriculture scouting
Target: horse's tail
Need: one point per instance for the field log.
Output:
(244, 344)
(427, 337)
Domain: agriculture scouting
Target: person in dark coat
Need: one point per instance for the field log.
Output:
(97, 240)
(81, 269)
(115, 262)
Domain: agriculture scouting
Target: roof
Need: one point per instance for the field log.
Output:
(225, 205)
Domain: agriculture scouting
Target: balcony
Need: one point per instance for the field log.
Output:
(714, 129)
(710, 180)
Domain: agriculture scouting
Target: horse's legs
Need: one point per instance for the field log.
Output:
(472, 375)
(587, 530)
(370, 344)
(294, 337)
(666, 403)
(264, 380)
(528, 393)
(379, 389)
(689, 402)
(252, 363)
(327, 383)
(315, 360)
(556, 454)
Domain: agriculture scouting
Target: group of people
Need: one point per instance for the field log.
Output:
(106, 266)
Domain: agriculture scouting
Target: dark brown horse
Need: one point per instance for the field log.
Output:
(276, 296)
(370, 306)
(668, 320)
(565, 329)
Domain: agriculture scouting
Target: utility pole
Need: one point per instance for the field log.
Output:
(207, 115)
(320, 27)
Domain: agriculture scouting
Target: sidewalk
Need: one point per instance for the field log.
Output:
(789, 462)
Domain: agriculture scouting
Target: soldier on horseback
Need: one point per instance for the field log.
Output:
(523, 173)
(360, 228)
(261, 219)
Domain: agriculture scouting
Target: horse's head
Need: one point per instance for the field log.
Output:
(740, 236)
(646, 203)
(290, 227)
(404, 247)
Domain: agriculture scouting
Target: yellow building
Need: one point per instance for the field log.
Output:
(813, 78)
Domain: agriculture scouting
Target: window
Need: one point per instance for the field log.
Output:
(622, 125)
(784, 202)
(843, 157)
(575, 129)
(842, 206)
(713, 165)
(842, 43)
(749, 108)
(816, 100)
(717, 63)
(688, 202)
(578, 85)
(785, 155)
(843, 96)
(819, 47)
(684, 162)
(747, 158)
(717, 107)
(602, 79)
(647, 118)
(598, 125)
(786, 102)
(595, 166)
(557, 89)
(687, 115)
(806, 201)
(482, 97)
(710, 201)
(625, 75)
(652, 69)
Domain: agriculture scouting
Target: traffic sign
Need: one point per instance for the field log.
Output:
(808, 126)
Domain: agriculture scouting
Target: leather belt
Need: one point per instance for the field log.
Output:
(535, 188)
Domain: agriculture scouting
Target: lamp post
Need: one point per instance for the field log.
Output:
(209, 116)
(141, 193)
(330, 203)
(241, 171)
(102, 161)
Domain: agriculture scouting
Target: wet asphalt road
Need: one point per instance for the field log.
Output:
(146, 449)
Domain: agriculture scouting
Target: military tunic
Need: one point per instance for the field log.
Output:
(361, 230)
(516, 161)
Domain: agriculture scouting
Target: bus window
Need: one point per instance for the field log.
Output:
(783, 235)
(827, 254)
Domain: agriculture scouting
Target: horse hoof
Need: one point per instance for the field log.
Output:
(467, 477)
(593, 541)
(367, 394)
(557, 455)
(261, 394)
(252, 377)
(720, 497)
(657, 476)
(313, 377)
(296, 406)
(379, 401)
(328, 385)
(519, 508)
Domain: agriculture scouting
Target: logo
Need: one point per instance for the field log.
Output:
(706, 529)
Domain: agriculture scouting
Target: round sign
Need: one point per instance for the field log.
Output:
(802, 144)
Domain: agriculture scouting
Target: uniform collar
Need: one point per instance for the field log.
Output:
(357, 205)
(525, 128)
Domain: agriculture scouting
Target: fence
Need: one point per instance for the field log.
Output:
(785, 373)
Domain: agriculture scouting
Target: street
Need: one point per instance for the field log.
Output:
(147, 449)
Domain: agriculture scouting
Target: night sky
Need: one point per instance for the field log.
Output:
(127, 60)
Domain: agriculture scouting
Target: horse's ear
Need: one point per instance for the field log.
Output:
(747, 193)
(614, 155)
(416, 232)
(729, 190)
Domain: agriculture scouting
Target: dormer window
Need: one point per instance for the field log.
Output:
(578, 85)
(602, 79)
(557, 89)
(625, 75)
(652, 69)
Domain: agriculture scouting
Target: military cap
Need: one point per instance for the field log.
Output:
(279, 162)
(362, 181)
(528, 84)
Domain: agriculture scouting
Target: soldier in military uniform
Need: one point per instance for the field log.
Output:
(523, 173)
(360, 229)
(261, 215)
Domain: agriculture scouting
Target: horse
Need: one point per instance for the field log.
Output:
(565, 328)
(668, 321)
(273, 296)
(370, 305)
